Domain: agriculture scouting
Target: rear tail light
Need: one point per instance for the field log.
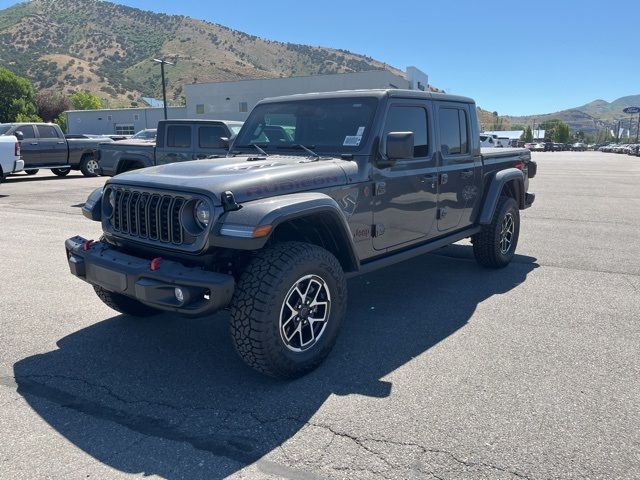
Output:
(17, 149)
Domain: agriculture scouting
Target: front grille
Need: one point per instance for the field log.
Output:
(147, 215)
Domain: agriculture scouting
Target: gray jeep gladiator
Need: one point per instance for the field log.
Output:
(316, 188)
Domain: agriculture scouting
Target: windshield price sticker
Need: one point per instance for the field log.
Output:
(352, 140)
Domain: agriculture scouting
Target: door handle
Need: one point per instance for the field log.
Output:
(34, 143)
(466, 173)
(432, 179)
(60, 143)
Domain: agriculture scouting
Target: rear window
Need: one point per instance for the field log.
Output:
(27, 131)
(453, 131)
(47, 131)
(179, 136)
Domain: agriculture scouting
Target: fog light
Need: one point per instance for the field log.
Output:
(179, 294)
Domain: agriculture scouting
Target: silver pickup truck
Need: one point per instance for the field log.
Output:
(44, 146)
(176, 141)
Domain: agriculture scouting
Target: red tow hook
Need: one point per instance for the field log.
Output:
(155, 264)
(86, 245)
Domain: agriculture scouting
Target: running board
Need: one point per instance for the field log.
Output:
(413, 252)
(45, 167)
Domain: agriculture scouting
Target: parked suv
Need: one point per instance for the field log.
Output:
(359, 181)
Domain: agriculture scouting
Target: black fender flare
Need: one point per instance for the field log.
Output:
(141, 159)
(233, 229)
(496, 184)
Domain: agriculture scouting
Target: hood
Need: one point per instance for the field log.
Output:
(249, 178)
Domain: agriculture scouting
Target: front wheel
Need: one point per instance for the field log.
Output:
(61, 172)
(496, 243)
(287, 309)
(31, 171)
(89, 166)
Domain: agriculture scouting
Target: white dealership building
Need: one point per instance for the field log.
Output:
(234, 100)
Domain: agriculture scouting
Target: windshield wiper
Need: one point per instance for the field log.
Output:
(260, 149)
(306, 149)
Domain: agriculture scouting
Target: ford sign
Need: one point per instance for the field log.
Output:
(631, 110)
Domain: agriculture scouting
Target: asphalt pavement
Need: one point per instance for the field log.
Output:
(442, 370)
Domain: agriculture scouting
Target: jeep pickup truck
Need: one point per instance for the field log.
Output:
(316, 188)
(44, 146)
(10, 160)
(176, 141)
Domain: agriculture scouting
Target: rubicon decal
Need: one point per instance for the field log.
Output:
(287, 186)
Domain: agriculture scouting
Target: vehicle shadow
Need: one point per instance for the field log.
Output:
(180, 380)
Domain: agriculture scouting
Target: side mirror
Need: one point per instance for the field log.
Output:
(19, 135)
(224, 142)
(399, 145)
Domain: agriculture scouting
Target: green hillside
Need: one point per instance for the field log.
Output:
(70, 45)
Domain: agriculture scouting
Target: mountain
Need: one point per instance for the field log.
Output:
(105, 48)
(589, 118)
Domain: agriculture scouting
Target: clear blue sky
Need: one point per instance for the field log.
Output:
(511, 56)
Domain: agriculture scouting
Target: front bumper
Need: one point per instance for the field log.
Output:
(19, 166)
(100, 264)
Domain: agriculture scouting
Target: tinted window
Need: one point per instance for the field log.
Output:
(179, 136)
(409, 119)
(27, 131)
(46, 131)
(453, 131)
(209, 137)
(4, 129)
(330, 125)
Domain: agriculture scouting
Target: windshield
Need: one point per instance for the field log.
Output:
(145, 135)
(330, 125)
(4, 129)
(235, 129)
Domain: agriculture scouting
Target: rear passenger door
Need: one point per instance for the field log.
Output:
(52, 148)
(210, 140)
(178, 144)
(459, 166)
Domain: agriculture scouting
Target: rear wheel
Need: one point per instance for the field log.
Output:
(89, 166)
(61, 172)
(287, 309)
(123, 304)
(31, 171)
(496, 243)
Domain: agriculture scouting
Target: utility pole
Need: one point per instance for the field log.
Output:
(638, 129)
(164, 84)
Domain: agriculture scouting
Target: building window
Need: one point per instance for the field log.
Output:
(136, 117)
(110, 117)
(125, 129)
(244, 107)
(200, 109)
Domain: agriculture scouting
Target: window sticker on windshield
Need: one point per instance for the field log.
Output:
(360, 131)
(352, 140)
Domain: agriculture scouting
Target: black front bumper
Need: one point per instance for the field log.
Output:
(100, 264)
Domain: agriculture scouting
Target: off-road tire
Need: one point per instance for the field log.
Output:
(85, 166)
(123, 304)
(32, 171)
(258, 300)
(486, 244)
(60, 172)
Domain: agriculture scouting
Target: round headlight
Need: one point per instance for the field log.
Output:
(203, 213)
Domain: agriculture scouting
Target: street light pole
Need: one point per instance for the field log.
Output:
(164, 84)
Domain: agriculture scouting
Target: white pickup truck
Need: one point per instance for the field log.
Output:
(10, 160)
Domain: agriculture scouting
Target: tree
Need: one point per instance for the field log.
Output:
(561, 133)
(527, 135)
(85, 101)
(50, 106)
(16, 96)
(61, 120)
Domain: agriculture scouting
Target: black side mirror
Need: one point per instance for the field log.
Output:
(224, 142)
(19, 135)
(399, 145)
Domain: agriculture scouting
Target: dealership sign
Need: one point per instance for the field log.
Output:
(631, 110)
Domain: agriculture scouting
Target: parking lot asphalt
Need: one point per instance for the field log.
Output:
(442, 370)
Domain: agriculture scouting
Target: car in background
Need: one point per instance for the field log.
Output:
(44, 146)
(10, 160)
(148, 134)
(539, 147)
(176, 141)
(487, 140)
(578, 147)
